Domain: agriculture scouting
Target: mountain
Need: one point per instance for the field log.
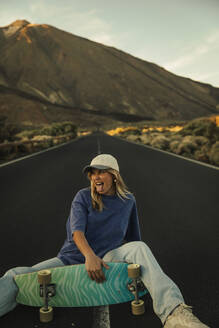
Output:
(47, 73)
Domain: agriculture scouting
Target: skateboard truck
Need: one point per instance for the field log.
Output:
(134, 272)
(46, 290)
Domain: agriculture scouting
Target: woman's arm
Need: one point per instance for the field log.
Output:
(93, 263)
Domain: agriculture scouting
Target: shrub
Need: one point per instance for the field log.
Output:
(187, 146)
(201, 155)
(173, 145)
(201, 127)
(69, 128)
(56, 129)
(214, 154)
(51, 130)
(42, 138)
(6, 151)
(200, 140)
(8, 130)
(27, 134)
(160, 142)
(175, 137)
(132, 137)
(145, 139)
(188, 139)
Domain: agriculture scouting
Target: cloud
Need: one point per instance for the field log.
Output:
(187, 59)
(104, 38)
(38, 8)
(88, 24)
(213, 37)
(8, 16)
(209, 44)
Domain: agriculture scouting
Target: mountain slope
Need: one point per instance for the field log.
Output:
(63, 69)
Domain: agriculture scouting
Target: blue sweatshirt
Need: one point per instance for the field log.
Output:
(106, 230)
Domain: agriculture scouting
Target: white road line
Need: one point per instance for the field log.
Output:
(37, 153)
(169, 153)
(133, 142)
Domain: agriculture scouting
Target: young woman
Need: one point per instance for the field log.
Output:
(103, 227)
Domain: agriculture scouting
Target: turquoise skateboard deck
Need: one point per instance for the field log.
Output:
(74, 288)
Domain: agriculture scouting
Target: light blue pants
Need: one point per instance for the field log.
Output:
(8, 287)
(164, 293)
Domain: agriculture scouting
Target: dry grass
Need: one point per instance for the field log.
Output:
(30, 141)
(198, 139)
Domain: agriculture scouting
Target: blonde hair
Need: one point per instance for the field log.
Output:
(120, 189)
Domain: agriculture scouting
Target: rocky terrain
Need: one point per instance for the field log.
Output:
(55, 85)
(48, 75)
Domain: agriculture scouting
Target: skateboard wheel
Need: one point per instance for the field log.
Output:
(44, 277)
(134, 271)
(46, 315)
(138, 308)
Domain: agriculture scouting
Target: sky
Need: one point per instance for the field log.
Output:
(181, 36)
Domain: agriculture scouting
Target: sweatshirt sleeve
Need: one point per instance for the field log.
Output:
(78, 213)
(133, 232)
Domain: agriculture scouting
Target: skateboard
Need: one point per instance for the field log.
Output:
(70, 286)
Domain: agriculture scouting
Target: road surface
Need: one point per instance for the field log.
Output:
(178, 203)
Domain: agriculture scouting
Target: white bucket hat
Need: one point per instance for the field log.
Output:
(103, 162)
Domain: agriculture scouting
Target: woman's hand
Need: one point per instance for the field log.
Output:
(94, 266)
(93, 263)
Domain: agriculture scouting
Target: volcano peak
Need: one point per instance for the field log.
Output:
(14, 27)
(20, 23)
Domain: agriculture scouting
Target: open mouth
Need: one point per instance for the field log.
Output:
(99, 186)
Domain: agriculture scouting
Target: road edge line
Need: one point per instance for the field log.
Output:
(168, 152)
(38, 153)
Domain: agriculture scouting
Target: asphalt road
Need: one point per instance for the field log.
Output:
(178, 203)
